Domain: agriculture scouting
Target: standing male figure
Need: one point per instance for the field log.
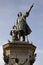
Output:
(22, 27)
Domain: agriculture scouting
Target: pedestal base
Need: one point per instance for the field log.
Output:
(21, 50)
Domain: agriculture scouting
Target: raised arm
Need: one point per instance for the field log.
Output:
(28, 12)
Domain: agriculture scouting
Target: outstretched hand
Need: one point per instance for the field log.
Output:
(31, 7)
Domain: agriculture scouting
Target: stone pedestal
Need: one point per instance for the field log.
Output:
(21, 50)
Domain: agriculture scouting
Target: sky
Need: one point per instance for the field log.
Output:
(8, 15)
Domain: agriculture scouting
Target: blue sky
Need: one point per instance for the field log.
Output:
(8, 15)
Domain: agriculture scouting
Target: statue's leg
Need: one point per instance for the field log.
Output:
(23, 37)
(19, 35)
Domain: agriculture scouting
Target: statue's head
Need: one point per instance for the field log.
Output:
(19, 14)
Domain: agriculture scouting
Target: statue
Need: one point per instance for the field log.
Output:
(21, 24)
(32, 59)
(22, 28)
(14, 33)
(6, 58)
(17, 62)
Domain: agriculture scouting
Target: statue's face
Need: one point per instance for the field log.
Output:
(19, 14)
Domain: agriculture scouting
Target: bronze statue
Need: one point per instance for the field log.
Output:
(22, 28)
(14, 34)
(21, 24)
